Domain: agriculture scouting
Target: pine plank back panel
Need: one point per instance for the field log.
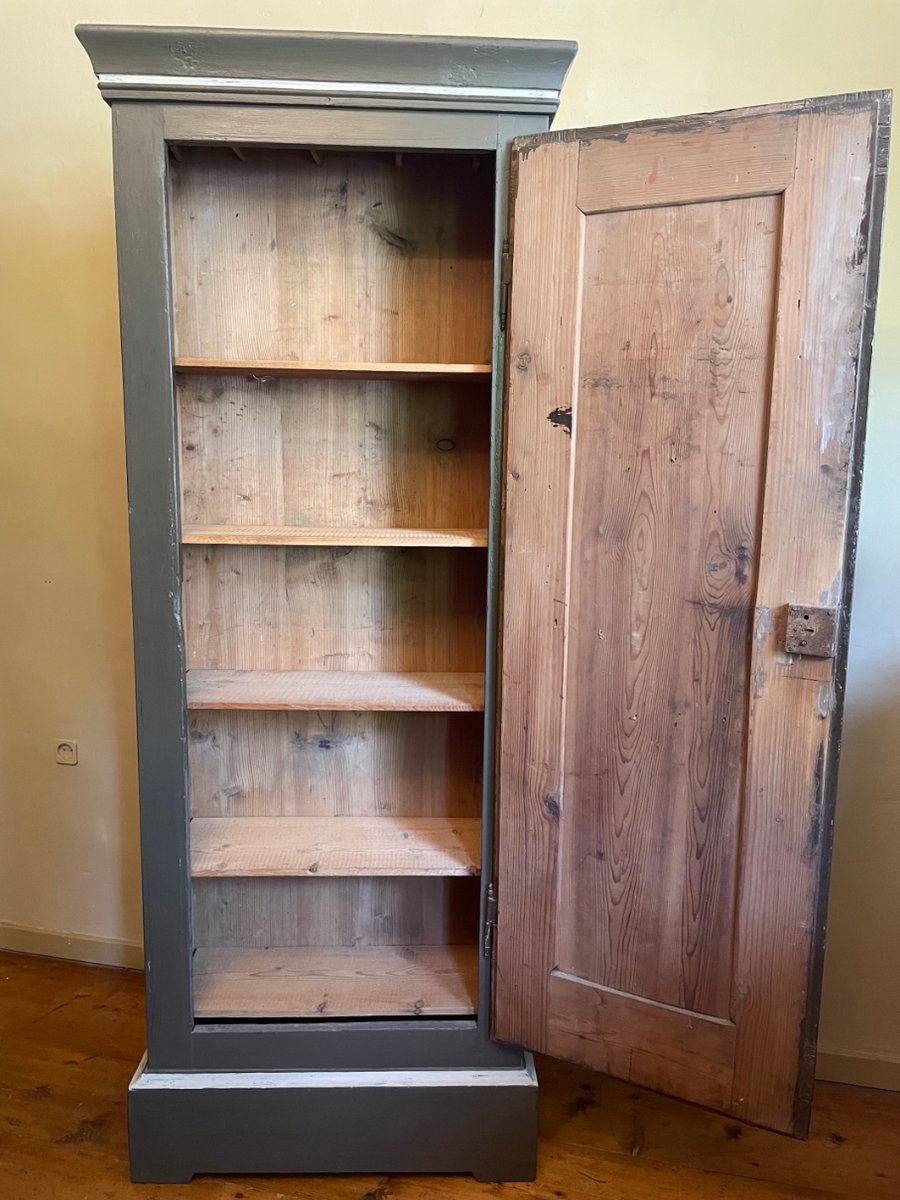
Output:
(347, 609)
(335, 764)
(260, 451)
(689, 338)
(400, 911)
(354, 258)
(333, 327)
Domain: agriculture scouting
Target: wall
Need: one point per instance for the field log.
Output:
(68, 835)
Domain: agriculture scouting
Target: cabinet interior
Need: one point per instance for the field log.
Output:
(333, 333)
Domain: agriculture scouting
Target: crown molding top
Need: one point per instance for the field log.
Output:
(135, 62)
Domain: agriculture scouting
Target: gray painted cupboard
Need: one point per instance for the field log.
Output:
(493, 504)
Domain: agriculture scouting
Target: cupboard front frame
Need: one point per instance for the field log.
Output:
(143, 132)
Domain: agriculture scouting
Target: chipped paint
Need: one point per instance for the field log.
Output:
(824, 699)
(827, 429)
(763, 624)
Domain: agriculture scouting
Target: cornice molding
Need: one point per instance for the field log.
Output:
(331, 69)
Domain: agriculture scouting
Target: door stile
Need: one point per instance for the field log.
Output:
(537, 459)
(873, 236)
(804, 537)
(508, 127)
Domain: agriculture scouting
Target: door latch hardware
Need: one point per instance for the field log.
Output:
(810, 630)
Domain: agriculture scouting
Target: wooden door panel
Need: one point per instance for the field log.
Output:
(676, 309)
(691, 314)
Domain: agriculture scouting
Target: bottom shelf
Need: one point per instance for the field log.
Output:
(336, 981)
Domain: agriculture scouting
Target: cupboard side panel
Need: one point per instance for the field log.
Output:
(144, 298)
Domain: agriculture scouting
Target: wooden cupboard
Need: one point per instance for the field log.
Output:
(491, 565)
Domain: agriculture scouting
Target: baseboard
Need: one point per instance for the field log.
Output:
(860, 1069)
(106, 951)
(319, 1122)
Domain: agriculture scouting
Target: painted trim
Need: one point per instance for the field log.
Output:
(143, 1080)
(376, 70)
(882, 1071)
(50, 943)
(324, 87)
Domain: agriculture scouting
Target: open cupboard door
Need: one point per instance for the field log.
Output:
(688, 351)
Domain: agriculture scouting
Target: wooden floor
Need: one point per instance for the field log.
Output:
(70, 1037)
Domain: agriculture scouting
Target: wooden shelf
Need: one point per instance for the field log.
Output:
(330, 846)
(348, 691)
(288, 535)
(327, 370)
(336, 981)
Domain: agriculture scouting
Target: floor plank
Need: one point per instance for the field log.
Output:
(70, 1036)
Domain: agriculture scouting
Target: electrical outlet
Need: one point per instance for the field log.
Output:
(67, 752)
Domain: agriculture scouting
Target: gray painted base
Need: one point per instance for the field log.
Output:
(292, 1122)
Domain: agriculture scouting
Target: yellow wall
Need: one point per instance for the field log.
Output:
(68, 838)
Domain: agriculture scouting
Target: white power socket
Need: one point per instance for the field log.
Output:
(67, 752)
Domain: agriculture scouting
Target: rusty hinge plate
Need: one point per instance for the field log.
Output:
(490, 920)
(505, 280)
(810, 630)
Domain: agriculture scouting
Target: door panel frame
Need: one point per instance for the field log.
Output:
(531, 996)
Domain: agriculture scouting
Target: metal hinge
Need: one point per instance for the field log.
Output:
(505, 281)
(490, 920)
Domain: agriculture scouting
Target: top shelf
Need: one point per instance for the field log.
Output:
(331, 370)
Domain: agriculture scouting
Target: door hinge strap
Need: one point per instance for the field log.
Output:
(490, 921)
(505, 281)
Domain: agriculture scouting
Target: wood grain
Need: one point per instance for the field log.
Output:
(677, 317)
(656, 1044)
(326, 370)
(333, 320)
(541, 378)
(333, 453)
(289, 535)
(803, 556)
(384, 981)
(354, 260)
(335, 763)
(408, 910)
(334, 846)
(374, 981)
(354, 691)
(73, 1033)
(721, 159)
(266, 608)
(699, 364)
